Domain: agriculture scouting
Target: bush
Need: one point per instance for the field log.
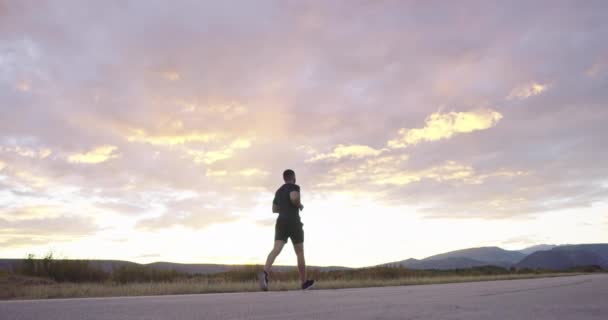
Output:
(62, 270)
(587, 269)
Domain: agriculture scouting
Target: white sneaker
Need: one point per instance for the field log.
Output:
(263, 277)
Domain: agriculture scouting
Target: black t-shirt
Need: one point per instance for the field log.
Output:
(287, 211)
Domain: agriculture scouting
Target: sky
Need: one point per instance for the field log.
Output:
(159, 130)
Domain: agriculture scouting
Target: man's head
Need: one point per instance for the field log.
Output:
(289, 176)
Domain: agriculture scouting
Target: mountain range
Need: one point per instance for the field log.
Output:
(566, 257)
(550, 257)
(544, 256)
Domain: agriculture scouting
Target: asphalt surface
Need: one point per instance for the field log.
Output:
(578, 297)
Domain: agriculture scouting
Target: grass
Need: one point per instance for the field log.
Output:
(51, 278)
(43, 289)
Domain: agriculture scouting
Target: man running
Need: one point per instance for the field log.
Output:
(287, 204)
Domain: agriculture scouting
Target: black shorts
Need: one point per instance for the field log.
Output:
(289, 229)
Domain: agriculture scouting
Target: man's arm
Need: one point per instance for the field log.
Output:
(275, 205)
(294, 196)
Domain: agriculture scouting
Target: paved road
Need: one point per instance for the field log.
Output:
(580, 297)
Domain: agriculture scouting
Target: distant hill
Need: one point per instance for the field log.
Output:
(561, 260)
(567, 256)
(540, 247)
(541, 256)
(463, 259)
(488, 255)
(601, 249)
(440, 264)
(193, 268)
(594, 254)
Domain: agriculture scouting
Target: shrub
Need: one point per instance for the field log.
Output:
(62, 270)
(587, 269)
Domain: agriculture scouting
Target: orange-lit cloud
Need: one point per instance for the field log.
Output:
(171, 75)
(248, 172)
(445, 125)
(209, 157)
(347, 151)
(97, 155)
(216, 173)
(193, 213)
(227, 111)
(41, 153)
(32, 212)
(139, 135)
(448, 171)
(251, 172)
(221, 109)
(527, 90)
(388, 172)
(23, 86)
(30, 179)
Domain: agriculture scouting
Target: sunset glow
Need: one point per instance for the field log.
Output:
(159, 130)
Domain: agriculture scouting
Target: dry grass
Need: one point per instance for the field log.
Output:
(45, 290)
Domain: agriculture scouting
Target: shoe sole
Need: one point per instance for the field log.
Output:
(311, 286)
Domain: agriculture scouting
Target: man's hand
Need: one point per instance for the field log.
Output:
(294, 196)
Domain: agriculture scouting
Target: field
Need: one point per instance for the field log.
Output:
(63, 278)
(19, 286)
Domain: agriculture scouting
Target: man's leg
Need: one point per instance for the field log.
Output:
(299, 249)
(278, 246)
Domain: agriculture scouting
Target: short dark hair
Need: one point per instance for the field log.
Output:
(288, 174)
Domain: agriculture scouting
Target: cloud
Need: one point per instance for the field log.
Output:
(121, 207)
(32, 212)
(597, 68)
(527, 90)
(40, 153)
(9, 241)
(248, 172)
(149, 255)
(29, 179)
(23, 86)
(139, 135)
(53, 227)
(346, 151)
(97, 155)
(522, 241)
(389, 172)
(171, 75)
(216, 173)
(226, 110)
(445, 125)
(175, 116)
(209, 157)
(193, 213)
(446, 172)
